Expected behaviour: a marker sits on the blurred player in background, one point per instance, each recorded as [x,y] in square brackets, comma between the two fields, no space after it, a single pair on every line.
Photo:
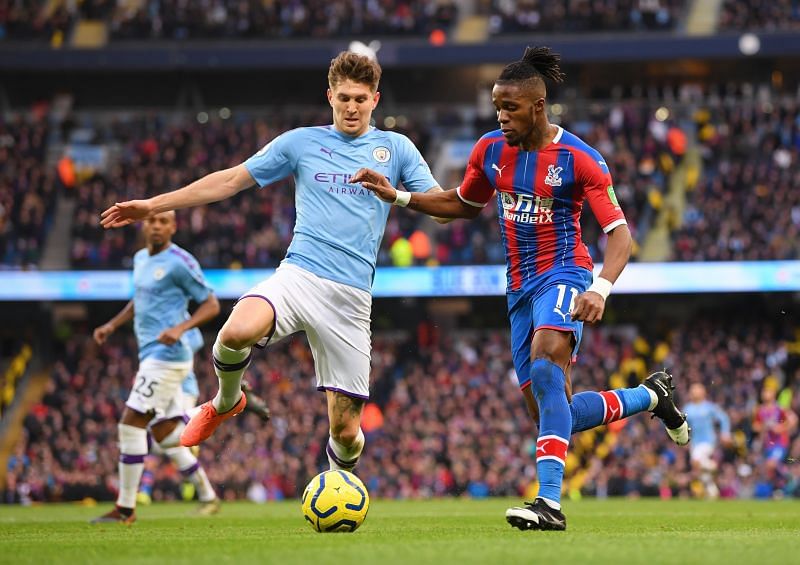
[190,391]
[704,417]
[165,278]
[542,174]
[772,426]
[323,286]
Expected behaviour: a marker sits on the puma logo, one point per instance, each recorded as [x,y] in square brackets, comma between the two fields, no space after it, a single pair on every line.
[328,152]
[499,169]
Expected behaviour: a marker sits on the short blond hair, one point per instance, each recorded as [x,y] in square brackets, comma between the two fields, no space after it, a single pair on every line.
[358,68]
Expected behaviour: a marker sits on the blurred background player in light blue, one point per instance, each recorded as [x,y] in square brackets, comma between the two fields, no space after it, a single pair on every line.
[704,418]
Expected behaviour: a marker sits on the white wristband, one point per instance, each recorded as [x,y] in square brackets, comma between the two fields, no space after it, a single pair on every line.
[601,286]
[402,199]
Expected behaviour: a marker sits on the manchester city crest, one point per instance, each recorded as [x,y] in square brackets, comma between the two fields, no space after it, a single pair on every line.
[381,154]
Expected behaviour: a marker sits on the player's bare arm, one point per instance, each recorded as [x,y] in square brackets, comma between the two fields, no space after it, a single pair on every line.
[590,305]
[101,333]
[441,204]
[211,188]
[206,312]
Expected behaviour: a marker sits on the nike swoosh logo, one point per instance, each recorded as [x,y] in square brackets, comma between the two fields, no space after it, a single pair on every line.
[659,385]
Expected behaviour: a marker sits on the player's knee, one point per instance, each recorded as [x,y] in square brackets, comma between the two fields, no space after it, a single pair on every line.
[237,336]
[546,375]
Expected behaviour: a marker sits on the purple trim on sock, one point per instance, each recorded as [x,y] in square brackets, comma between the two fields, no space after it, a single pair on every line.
[346,392]
[130,459]
[341,462]
[191,469]
[230,367]
[274,317]
[185,417]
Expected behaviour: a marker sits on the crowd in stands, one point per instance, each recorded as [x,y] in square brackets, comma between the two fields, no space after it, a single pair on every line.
[227,19]
[571,16]
[757,15]
[254,228]
[27,192]
[746,205]
[445,418]
[741,206]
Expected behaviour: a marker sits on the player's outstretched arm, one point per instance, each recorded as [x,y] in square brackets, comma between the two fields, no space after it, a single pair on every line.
[443,204]
[124,316]
[211,188]
[590,305]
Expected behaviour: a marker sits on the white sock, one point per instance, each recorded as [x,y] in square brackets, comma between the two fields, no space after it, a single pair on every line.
[191,469]
[551,503]
[132,449]
[343,458]
[229,365]
[653,397]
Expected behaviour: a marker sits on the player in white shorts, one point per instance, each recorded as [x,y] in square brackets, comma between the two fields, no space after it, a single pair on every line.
[165,278]
[323,286]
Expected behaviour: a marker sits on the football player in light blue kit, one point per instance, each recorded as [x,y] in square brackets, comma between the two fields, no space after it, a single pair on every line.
[323,285]
[704,417]
[165,279]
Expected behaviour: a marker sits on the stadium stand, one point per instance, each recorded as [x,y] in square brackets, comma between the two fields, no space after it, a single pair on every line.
[446,419]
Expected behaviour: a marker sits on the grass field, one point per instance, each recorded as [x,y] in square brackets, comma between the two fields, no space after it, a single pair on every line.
[438,531]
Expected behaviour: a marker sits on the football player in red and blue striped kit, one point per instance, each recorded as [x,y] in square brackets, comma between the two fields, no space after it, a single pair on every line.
[541,175]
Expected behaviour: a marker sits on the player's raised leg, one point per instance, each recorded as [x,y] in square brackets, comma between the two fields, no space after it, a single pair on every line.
[346,441]
[166,433]
[591,409]
[252,318]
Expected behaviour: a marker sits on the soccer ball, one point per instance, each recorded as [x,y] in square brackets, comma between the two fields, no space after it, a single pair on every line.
[335,501]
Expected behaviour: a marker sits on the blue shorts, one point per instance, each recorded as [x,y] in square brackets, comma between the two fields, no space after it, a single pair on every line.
[544,306]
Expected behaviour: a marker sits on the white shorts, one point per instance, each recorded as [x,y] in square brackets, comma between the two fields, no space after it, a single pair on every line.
[157,388]
[703,455]
[336,319]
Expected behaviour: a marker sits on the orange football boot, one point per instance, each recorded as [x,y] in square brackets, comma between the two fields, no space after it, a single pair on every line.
[203,424]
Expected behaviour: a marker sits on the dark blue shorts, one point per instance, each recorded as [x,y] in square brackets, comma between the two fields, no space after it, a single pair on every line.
[544,306]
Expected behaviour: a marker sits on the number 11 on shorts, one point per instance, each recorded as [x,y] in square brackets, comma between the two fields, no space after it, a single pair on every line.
[562,291]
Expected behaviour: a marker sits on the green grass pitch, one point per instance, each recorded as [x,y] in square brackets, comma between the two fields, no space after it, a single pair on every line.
[411,532]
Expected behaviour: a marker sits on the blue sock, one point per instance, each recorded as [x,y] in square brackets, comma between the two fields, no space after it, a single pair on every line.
[555,426]
[592,409]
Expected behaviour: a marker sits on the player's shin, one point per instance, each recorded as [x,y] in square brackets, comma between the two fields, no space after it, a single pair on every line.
[344,458]
[555,425]
[132,450]
[591,409]
[229,365]
[190,468]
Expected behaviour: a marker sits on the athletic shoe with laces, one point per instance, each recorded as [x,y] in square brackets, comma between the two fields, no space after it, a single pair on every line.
[115,516]
[536,515]
[674,420]
[255,404]
[203,424]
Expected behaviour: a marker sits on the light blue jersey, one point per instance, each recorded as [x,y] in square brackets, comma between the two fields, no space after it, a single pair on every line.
[164,283]
[702,417]
[339,225]
[189,386]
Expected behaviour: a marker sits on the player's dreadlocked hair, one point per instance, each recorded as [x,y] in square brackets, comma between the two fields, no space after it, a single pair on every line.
[358,68]
[538,62]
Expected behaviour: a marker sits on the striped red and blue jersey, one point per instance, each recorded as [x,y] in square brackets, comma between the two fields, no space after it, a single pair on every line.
[540,196]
